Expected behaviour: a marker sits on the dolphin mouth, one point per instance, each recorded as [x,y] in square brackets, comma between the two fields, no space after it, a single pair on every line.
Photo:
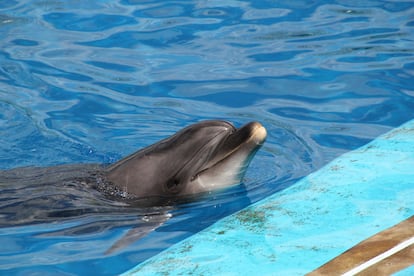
[250,136]
[252,133]
[257,131]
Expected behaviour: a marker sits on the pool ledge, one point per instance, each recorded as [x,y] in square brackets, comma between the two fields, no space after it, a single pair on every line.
[295,231]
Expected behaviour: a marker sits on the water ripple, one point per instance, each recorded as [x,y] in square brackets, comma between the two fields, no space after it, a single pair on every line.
[86,23]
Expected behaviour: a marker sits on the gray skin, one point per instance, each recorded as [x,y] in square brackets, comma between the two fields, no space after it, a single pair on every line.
[202,157]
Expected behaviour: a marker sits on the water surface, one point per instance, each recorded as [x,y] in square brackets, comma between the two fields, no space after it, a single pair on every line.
[89,82]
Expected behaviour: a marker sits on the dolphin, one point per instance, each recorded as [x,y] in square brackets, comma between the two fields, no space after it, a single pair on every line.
[203,157]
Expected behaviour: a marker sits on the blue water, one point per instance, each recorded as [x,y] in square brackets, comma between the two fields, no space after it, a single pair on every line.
[92,81]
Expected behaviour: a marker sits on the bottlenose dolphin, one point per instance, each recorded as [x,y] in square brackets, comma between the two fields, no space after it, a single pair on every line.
[202,157]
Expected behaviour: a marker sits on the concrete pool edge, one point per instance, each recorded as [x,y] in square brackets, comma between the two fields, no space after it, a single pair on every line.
[299,229]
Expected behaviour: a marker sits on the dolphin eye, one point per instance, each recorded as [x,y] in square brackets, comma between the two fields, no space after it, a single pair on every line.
[173,185]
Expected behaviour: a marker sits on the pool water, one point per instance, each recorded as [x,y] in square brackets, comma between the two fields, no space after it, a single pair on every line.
[92,81]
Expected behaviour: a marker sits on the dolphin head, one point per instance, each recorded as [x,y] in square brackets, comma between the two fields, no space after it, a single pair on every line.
[201,157]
